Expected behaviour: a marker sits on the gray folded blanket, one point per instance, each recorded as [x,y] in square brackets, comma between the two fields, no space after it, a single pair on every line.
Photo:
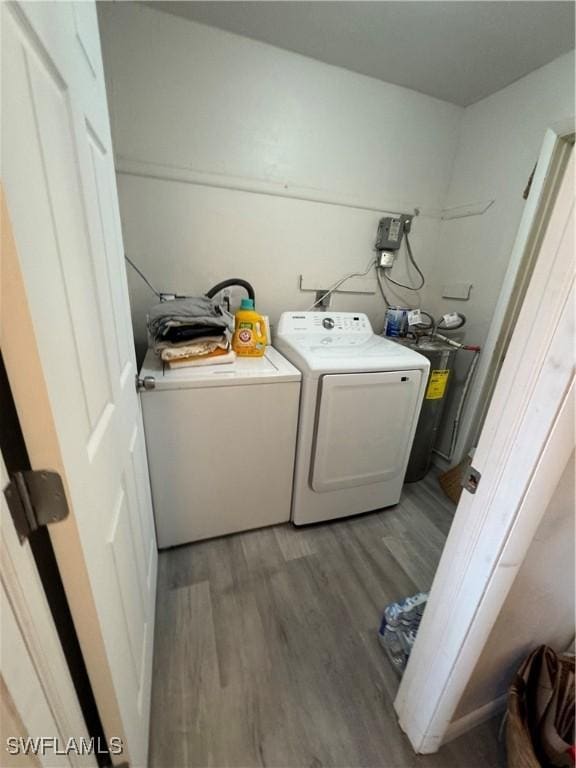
[197,312]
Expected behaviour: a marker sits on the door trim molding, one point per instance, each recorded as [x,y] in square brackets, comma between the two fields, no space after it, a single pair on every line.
[21,584]
[13,448]
[24,369]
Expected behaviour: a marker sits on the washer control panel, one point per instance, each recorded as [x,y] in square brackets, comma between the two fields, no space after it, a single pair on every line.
[343,323]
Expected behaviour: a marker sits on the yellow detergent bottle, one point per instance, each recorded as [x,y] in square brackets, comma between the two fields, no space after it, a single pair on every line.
[249,331]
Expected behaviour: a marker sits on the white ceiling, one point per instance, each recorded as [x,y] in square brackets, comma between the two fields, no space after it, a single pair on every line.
[456,51]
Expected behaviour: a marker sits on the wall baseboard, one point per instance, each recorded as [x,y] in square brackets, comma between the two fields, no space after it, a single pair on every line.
[477,717]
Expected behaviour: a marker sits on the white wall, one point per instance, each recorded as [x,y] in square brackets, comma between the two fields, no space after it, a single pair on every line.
[202,104]
[499,144]
[200,116]
[539,608]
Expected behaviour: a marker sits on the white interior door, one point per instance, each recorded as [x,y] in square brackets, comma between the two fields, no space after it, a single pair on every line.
[37,697]
[524,446]
[58,175]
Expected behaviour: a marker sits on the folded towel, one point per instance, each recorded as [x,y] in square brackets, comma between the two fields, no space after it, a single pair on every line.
[219,357]
[186,333]
[198,349]
[217,337]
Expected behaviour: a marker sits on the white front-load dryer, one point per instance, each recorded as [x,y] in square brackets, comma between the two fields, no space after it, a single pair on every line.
[360,401]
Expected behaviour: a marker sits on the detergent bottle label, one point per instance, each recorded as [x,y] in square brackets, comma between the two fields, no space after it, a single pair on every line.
[244,336]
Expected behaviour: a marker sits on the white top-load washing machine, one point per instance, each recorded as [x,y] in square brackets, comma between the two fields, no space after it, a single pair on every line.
[221,441]
[360,401]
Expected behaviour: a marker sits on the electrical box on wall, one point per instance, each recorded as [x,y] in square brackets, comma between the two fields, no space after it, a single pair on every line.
[391,230]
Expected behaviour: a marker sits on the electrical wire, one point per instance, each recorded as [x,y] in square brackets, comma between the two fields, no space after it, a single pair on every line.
[413,261]
[340,282]
[416,267]
[381,285]
[143,276]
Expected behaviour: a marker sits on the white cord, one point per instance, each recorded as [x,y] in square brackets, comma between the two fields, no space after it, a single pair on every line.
[381,285]
[342,280]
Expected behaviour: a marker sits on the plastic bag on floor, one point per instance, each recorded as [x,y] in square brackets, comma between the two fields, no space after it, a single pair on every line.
[400,622]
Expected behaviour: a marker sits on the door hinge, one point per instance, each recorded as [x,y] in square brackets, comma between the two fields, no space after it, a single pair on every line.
[148,382]
[471,480]
[35,498]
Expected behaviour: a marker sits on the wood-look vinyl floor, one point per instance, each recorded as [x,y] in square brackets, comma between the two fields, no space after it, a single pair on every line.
[266,650]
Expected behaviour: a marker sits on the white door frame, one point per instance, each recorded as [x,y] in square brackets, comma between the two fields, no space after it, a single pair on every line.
[36,690]
[543,185]
[31,398]
[524,446]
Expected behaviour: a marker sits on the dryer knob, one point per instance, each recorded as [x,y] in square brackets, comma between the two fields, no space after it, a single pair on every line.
[328,323]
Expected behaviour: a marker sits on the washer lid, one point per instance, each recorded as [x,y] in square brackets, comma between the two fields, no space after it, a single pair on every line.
[323,353]
[272,367]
